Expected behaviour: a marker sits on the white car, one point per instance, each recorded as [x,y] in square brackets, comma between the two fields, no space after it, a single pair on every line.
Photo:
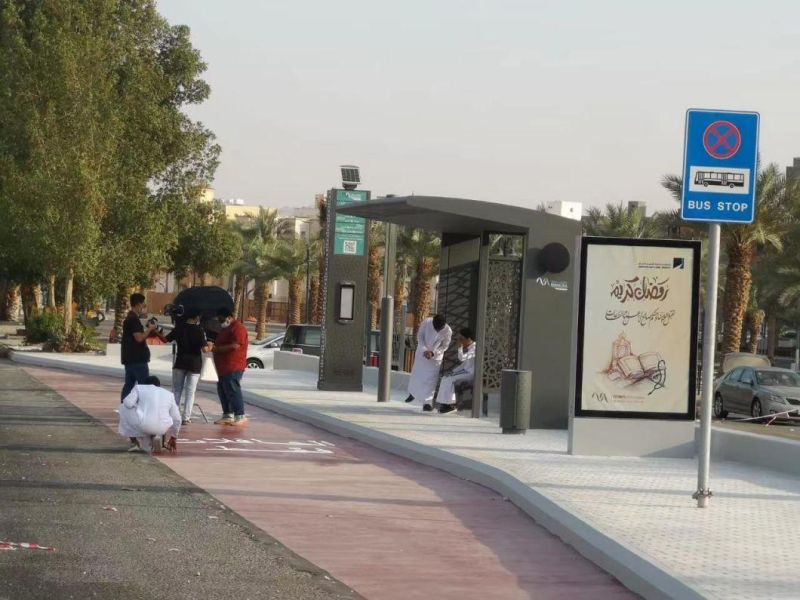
[260,354]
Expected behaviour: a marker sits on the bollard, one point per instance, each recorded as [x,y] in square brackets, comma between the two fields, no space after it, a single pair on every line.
[515,400]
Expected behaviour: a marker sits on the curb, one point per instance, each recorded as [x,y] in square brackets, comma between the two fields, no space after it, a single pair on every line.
[643,576]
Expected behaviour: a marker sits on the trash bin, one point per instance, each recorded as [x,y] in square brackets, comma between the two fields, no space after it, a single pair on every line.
[515,400]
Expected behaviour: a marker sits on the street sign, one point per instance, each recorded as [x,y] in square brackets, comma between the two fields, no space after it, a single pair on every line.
[719,166]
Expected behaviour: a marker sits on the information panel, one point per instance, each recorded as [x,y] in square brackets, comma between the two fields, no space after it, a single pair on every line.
[349,233]
[637,328]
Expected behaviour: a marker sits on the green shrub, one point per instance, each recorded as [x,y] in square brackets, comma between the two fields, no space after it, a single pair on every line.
[80,339]
[43,328]
[48,329]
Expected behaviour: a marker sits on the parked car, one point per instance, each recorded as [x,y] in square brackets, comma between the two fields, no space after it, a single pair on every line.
[260,354]
[305,339]
[757,391]
[787,342]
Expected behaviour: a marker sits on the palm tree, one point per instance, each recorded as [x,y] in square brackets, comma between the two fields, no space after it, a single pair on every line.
[318,303]
[618,220]
[376,242]
[774,210]
[247,230]
[259,263]
[422,251]
[290,259]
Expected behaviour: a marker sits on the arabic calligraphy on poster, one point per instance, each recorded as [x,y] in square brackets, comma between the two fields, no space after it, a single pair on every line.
[637,334]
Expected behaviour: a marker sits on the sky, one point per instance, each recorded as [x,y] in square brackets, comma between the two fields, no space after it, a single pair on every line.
[511,101]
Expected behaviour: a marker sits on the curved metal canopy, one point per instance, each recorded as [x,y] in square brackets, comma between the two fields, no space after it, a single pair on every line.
[449,215]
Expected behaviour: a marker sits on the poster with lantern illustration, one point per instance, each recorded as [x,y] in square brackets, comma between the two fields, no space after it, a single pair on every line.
[637,328]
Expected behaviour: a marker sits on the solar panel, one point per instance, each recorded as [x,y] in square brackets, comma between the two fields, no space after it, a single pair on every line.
[350,175]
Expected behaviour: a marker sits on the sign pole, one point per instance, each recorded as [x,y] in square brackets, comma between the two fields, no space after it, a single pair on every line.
[703,493]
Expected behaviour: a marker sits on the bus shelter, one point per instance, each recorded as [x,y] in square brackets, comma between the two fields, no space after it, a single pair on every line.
[507,273]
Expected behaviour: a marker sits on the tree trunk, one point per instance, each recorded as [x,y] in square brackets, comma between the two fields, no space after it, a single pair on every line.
[320,299]
[68,301]
[295,300]
[30,304]
[755,321]
[239,299]
[13,302]
[204,279]
[738,281]
[374,284]
[51,292]
[316,306]
[400,295]
[5,286]
[772,336]
[122,304]
[262,304]
[422,291]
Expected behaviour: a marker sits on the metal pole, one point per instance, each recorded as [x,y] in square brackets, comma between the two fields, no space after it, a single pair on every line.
[308,288]
[703,492]
[401,338]
[796,345]
[385,366]
[480,326]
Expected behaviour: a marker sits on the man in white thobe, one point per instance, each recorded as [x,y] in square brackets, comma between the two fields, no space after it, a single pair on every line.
[464,371]
[433,338]
[148,413]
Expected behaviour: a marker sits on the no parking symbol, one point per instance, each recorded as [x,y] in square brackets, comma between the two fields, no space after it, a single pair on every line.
[722,139]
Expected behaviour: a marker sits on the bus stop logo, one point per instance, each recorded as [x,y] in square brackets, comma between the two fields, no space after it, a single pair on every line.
[640,288]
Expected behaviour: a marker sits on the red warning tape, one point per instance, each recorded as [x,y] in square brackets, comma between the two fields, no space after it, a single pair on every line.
[25,546]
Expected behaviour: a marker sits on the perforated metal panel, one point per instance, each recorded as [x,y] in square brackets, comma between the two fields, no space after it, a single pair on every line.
[502,319]
[458,304]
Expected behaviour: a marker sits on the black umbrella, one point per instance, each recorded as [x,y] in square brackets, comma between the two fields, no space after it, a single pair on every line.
[203,301]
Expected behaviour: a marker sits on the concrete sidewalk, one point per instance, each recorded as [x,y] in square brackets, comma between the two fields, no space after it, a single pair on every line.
[632,516]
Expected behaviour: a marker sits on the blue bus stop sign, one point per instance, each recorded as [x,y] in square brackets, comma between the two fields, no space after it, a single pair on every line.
[719,166]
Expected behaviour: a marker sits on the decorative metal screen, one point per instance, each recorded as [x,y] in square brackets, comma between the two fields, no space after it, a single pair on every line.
[502,319]
[458,304]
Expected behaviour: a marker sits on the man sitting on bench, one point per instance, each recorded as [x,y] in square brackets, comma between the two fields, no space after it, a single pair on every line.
[464,371]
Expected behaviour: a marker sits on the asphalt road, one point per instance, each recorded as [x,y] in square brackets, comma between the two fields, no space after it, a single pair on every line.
[167,538]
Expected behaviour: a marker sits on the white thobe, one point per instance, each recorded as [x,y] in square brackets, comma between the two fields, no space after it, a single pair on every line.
[148,411]
[425,372]
[465,371]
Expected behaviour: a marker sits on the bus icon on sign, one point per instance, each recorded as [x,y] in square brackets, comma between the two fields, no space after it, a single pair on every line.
[707,178]
[716,180]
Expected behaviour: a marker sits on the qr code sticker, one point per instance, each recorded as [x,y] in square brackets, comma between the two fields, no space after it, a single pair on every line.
[350,247]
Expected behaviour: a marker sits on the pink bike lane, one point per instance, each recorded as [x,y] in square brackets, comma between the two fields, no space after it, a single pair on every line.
[387,527]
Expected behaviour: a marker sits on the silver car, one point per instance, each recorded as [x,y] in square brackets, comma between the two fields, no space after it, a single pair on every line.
[261,354]
[757,391]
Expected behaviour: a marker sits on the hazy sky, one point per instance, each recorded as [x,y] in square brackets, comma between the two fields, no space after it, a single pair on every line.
[517,101]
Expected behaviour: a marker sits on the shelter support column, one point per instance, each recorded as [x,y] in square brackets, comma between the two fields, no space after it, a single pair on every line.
[480,326]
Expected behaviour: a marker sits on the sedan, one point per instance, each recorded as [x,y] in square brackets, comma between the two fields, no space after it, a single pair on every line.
[757,391]
[260,354]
